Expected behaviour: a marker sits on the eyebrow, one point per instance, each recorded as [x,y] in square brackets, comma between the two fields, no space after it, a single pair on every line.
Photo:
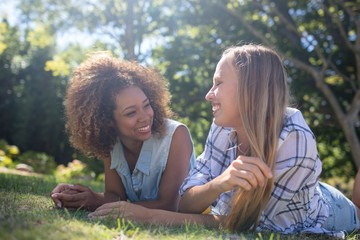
[133,106]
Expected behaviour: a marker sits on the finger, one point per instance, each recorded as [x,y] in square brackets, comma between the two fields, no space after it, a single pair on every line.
[260,164]
[80,188]
[241,178]
[242,184]
[118,207]
[57,201]
[250,172]
[104,212]
[73,197]
[70,191]
[250,178]
[60,187]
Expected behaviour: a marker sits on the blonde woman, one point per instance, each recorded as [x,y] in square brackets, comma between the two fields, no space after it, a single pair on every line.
[260,167]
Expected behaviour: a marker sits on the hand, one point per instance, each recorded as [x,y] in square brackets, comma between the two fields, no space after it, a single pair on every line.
[61,188]
[72,196]
[120,209]
[244,172]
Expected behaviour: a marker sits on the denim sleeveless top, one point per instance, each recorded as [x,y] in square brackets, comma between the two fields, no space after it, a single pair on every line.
[143,183]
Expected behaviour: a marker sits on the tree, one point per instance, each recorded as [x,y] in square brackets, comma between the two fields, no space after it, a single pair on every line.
[123,26]
[317,37]
[333,59]
[184,39]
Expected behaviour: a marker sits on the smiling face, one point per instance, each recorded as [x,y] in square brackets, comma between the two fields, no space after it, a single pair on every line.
[223,94]
[133,115]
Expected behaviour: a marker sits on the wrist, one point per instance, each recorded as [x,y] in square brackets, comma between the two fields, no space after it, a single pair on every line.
[215,188]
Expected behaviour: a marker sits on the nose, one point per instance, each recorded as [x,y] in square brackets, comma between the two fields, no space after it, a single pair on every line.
[210,95]
[143,116]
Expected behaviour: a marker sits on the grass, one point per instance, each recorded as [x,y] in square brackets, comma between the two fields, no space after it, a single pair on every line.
[27,212]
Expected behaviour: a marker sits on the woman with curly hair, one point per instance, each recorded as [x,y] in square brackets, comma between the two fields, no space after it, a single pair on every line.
[118,111]
[260,167]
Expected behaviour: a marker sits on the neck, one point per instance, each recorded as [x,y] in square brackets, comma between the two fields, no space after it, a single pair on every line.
[132,153]
[132,147]
[243,147]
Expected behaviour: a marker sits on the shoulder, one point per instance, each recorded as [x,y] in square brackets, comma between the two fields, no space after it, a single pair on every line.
[171,123]
[297,144]
[175,131]
[295,122]
[173,126]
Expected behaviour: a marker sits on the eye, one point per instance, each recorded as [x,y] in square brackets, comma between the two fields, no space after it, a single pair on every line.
[218,83]
[130,114]
[147,105]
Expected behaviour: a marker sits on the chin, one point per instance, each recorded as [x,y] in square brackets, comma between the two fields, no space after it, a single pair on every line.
[220,123]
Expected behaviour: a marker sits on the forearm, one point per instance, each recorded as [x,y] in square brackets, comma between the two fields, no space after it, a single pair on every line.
[198,198]
[100,198]
[168,218]
[166,204]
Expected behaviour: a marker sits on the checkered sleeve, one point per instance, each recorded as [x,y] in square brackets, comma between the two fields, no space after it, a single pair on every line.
[200,174]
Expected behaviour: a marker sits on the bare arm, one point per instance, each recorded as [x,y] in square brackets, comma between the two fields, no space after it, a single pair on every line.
[114,188]
[79,196]
[176,170]
[141,214]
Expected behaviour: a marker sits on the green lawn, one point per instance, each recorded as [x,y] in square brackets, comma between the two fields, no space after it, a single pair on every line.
[27,212]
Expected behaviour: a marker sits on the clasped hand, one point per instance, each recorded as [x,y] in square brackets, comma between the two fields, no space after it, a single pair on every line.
[72,196]
[244,172]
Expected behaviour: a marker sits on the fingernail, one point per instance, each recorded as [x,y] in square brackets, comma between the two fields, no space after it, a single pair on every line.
[54,195]
[58,204]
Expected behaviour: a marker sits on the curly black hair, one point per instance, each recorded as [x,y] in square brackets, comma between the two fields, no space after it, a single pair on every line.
[90,101]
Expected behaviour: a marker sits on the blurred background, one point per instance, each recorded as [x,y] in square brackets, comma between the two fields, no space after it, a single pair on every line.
[41,41]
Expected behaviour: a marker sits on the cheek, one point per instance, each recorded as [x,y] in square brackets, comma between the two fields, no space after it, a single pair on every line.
[150,112]
[123,125]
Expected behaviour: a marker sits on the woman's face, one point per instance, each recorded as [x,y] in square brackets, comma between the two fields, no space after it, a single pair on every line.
[223,94]
[133,115]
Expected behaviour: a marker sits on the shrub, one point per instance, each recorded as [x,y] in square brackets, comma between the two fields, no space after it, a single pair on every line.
[39,161]
[74,170]
[7,153]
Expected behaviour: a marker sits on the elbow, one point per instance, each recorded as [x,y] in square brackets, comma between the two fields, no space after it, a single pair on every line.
[168,204]
[184,206]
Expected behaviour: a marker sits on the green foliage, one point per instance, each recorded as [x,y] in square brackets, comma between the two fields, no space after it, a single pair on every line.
[39,161]
[74,170]
[7,153]
[184,40]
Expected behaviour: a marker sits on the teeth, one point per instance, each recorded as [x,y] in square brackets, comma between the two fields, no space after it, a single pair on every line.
[144,129]
[215,107]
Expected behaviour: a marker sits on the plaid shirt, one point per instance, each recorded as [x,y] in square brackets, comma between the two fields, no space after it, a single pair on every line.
[296,203]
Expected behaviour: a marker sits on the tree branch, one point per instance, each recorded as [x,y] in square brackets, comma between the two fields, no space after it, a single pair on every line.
[338,24]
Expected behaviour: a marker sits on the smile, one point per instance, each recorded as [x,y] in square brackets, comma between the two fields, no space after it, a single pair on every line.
[215,107]
[144,129]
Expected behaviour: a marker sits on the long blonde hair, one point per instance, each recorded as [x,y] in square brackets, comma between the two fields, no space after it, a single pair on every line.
[262,100]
